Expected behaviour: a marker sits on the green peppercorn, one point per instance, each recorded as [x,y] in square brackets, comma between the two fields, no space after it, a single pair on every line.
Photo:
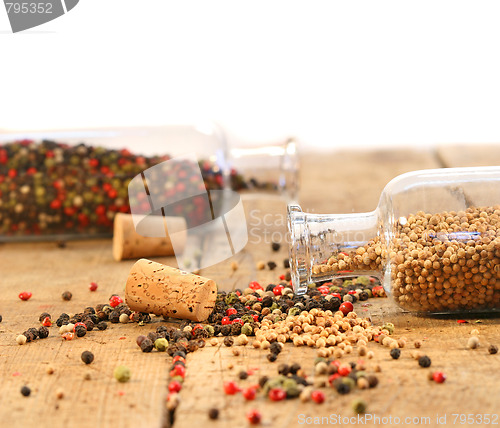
[87,357]
[122,374]
[247,329]
[210,330]
[359,405]
[161,344]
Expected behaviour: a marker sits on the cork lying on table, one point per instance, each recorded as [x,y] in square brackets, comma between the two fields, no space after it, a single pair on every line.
[163,290]
[128,244]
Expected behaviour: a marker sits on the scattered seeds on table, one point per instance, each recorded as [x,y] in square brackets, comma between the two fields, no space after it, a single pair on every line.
[492,349]
[87,357]
[424,361]
[275,246]
[359,405]
[67,295]
[417,344]
[59,393]
[243,374]
[213,413]
[271,265]
[395,353]
[26,391]
[122,374]
[473,342]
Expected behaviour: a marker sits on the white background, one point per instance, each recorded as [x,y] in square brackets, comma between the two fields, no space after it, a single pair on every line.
[354,73]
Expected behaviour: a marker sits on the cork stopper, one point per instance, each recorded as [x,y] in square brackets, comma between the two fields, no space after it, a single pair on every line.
[163,290]
[128,244]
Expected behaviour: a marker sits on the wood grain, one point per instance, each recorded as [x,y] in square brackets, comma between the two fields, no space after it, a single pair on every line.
[340,182]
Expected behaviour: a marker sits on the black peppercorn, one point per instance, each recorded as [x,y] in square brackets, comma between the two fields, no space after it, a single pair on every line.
[262,381]
[271,265]
[395,353]
[44,315]
[146,345]
[275,348]
[103,325]
[152,336]
[372,381]
[492,349]
[26,391]
[192,346]
[275,246]
[1,318]
[236,329]
[424,361]
[114,317]
[283,369]
[179,353]
[67,295]
[286,263]
[43,332]
[80,331]
[200,343]
[342,388]
[213,413]
[89,324]
[272,357]
[87,357]
[228,341]
[89,310]
[243,375]
[33,331]
[288,276]
[294,368]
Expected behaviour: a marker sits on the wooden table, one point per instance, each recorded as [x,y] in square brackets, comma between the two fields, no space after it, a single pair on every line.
[341,181]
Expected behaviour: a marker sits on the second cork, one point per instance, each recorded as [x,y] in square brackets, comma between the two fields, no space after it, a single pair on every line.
[163,290]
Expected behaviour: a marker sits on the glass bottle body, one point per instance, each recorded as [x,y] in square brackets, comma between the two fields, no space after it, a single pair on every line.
[433,240]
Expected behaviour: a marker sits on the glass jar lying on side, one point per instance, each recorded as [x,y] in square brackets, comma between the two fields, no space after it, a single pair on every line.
[433,240]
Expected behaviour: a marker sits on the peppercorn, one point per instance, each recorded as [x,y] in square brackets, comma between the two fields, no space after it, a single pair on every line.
[318,396]
[271,265]
[103,325]
[1,318]
[283,369]
[272,357]
[87,357]
[286,263]
[438,377]
[372,381]
[114,317]
[80,330]
[124,318]
[228,341]
[25,391]
[424,361]
[213,413]
[473,342]
[260,265]
[275,246]
[44,315]
[395,353]
[122,374]
[243,374]
[492,349]
[43,332]
[342,388]
[236,329]
[359,405]
[67,295]
[21,339]
[275,348]
[146,345]
[161,344]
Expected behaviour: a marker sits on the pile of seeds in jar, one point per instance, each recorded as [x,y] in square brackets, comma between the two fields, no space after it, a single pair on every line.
[49,188]
[445,262]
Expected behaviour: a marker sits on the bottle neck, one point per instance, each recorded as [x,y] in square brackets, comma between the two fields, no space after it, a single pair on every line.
[326,246]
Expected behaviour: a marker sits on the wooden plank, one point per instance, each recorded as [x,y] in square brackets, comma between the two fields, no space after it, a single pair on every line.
[340,182]
[457,155]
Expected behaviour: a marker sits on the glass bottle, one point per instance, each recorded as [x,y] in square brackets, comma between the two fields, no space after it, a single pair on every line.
[433,240]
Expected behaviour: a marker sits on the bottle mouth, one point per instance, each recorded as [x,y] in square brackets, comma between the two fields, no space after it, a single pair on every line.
[300,259]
